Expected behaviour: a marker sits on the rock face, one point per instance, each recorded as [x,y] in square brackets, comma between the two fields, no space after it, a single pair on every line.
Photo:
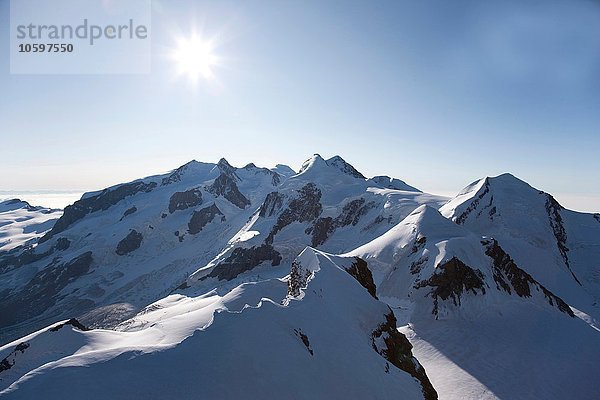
[460,219]
[225,186]
[305,207]
[508,275]
[242,260]
[102,201]
[42,290]
[272,204]
[201,218]
[131,242]
[350,215]
[556,223]
[361,272]
[396,348]
[128,212]
[185,200]
[452,279]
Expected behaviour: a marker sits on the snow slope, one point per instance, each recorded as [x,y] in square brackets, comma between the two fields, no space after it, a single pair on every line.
[559,247]
[119,249]
[22,223]
[481,326]
[257,341]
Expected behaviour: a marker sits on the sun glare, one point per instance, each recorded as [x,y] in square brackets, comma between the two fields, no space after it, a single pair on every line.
[194,58]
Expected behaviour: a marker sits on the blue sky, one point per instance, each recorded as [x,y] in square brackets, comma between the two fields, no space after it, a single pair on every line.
[436,93]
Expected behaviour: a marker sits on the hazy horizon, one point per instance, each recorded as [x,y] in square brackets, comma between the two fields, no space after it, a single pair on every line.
[61,198]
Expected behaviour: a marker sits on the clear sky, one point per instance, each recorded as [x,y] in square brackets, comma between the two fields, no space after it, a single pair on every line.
[436,93]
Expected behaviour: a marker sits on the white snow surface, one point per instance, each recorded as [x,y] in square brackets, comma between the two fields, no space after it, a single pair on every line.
[163,322]
[245,344]
[21,223]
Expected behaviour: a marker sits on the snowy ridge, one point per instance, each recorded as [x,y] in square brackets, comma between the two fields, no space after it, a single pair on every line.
[273,276]
[280,332]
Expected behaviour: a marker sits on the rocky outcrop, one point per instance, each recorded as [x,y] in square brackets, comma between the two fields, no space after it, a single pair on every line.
[474,204]
[242,260]
[451,280]
[298,279]
[225,186]
[73,322]
[395,347]
[42,291]
[99,202]
[303,208]
[272,204]
[131,242]
[9,361]
[203,217]
[304,340]
[351,213]
[128,212]
[185,200]
[62,244]
[177,174]
[509,277]
[553,209]
[343,166]
[360,271]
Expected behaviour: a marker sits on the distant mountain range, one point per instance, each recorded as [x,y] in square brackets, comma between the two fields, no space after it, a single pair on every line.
[214,281]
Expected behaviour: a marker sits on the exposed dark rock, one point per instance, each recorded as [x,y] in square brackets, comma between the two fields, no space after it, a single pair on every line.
[351,213]
[129,211]
[62,244]
[340,163]
[508,275]
[20,256]
[463,217]
[597,217]
[225,186]
[6,364]
[304,340]
[99,202]
[305,207]
[397,350]
[361,272]
[298,279]
[417,266]
[42,291]
[131,242]
[242,260]
[377,221]
[320,230]
[272,204]
[227,168]
[176,175]
[185,200]
[451,280]
[163,215]
[419,244]
[556,223]
[74,323]
[203,217]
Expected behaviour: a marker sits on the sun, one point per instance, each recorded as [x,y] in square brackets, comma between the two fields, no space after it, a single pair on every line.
[194,58]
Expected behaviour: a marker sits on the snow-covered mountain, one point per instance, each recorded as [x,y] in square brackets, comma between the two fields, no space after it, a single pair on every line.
[274,276]
[559,247]
[479,323]
[21,223]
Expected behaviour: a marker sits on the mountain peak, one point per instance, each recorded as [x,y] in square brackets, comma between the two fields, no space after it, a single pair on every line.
[317,163]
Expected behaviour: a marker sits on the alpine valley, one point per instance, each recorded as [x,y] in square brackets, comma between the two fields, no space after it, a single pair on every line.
[219,282]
